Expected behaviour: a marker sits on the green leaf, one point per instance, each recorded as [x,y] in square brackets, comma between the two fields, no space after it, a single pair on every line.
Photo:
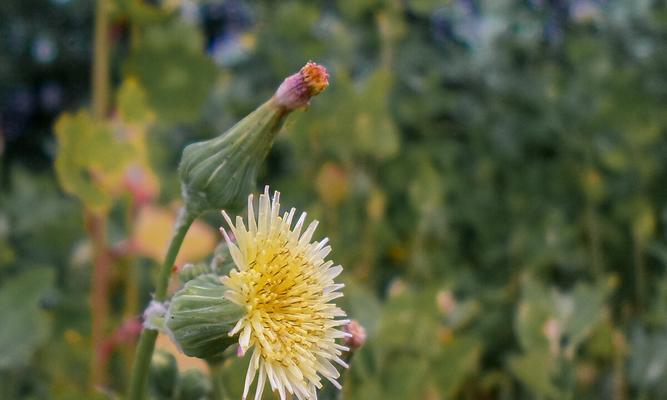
[24,325]
[456,361]
[399,360]
[550,326]
[536,369]
[581,311]
[574,314]
[361,304]
[132,102]
[87,152]
[647,368]
[534,310]
[170,64]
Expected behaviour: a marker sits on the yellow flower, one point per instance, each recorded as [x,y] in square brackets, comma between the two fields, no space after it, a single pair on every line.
[286,288]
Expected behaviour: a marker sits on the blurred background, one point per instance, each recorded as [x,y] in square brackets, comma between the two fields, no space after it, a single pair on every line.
[491,174]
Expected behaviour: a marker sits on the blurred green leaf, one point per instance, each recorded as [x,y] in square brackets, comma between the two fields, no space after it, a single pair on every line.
[648,362]
[24,325]
[361,304]
[536,370]
[549,319]
[132,103]
[456,361]
[87,153]
[170,64]
[533,311]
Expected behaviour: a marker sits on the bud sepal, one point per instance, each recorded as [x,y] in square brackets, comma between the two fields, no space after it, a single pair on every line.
[199,318]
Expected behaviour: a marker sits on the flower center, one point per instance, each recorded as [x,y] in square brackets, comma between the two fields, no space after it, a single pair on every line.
[283,302]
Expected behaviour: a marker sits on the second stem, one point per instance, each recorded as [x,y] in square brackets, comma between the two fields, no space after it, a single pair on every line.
[146,344]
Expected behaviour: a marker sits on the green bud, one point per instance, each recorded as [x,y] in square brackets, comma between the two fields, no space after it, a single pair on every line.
[163,375]
[222,262]
[194,385]
[219,173]
[199,318]
[189,272]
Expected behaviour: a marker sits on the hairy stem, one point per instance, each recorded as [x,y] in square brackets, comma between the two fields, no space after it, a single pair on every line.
[146,344]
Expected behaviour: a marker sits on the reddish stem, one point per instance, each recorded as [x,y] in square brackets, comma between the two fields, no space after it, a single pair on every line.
[96,226]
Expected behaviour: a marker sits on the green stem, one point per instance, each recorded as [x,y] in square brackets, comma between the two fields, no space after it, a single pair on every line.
[215,369]
[96,223]
[101,60]
[131,283]
[146,344]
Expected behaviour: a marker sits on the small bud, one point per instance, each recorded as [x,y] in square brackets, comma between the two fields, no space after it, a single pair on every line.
[219,173]
[163,374]
[296,90]
[199,318]
[194,385]
[222,262]
[190,271]
[357,336]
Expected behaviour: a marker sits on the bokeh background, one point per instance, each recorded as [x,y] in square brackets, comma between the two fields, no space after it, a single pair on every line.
[491,173]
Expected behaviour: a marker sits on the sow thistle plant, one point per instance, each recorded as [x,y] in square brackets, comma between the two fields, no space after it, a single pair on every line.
[276,303]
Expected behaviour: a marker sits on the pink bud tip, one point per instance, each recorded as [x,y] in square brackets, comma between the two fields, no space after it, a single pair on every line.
[296,90]
[358,335]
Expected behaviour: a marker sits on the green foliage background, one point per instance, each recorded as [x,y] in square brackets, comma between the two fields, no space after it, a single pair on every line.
[491,175]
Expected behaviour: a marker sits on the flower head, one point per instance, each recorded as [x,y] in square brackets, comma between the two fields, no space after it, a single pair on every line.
[296,90]
[286,289]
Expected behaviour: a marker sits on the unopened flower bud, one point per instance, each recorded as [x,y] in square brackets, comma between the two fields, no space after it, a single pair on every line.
[199,318]
[189,271]
[163,374]
[357,336]
[222,262]
[296,90]
[194,385]
[219,173]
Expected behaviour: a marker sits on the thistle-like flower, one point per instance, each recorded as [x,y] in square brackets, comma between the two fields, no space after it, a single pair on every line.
[286,289]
